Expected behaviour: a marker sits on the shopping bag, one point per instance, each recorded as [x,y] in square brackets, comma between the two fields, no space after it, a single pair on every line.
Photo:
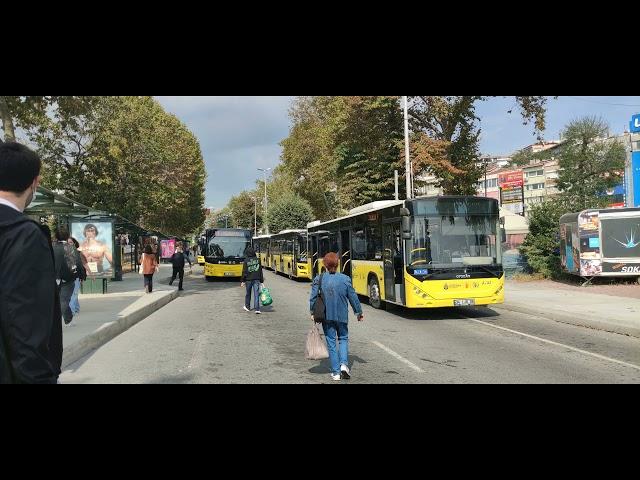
[316,348]
[265,297]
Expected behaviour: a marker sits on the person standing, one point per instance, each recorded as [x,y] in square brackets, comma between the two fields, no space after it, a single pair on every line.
[178,260]
[252,278]
[30,323]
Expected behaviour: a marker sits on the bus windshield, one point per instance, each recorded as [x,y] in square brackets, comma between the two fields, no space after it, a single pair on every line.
[457,240]
[228,247]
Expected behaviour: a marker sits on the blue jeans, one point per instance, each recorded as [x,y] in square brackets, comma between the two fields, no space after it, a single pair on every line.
[255,286]
[337,331]
[75,303]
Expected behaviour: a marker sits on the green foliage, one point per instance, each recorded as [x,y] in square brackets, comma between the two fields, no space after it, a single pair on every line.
[542,245]
[589,165]
[127,156]
[289,212]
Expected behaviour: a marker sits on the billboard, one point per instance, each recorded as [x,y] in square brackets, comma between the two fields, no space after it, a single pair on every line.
[167,248]
[635,124]
[96,246]
[512,191]
[635,177]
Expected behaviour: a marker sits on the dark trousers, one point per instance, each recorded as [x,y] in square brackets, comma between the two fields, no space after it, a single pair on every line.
[66,292]
[148,282]
[177,272]
[252,286]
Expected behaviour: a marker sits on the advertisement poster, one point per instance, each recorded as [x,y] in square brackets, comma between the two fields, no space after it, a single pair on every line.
[96,246]
[167,248]
[590,268]
[589,225]
[511,191]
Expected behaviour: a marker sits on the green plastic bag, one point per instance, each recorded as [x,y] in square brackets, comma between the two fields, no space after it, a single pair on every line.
[265,297]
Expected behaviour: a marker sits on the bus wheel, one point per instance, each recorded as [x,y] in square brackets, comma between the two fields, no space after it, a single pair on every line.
[210,279]
[375,299]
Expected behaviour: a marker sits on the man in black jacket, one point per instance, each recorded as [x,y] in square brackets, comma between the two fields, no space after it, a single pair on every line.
[30,324]
[253,279]
[178,260]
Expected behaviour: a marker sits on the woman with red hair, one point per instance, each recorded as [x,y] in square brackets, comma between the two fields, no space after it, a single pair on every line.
[337,292]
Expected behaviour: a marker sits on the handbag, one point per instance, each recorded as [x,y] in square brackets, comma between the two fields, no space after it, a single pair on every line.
[316,347]
[319,309]
[141,267]
[265,297]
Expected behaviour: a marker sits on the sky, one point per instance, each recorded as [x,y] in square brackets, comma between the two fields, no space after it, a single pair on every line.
[240,134]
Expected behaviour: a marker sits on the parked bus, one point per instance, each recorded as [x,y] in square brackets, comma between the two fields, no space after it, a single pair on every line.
[261,245]
[225,252]
[420,253]
[288,254]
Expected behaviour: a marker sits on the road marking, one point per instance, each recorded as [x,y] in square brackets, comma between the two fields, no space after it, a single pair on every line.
[399,357]
[197,350]
[601,357]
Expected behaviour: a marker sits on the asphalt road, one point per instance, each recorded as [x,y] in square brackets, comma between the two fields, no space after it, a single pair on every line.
[206,337]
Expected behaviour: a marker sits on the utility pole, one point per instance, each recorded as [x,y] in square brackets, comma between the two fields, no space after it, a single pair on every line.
[266,200]
[406,148]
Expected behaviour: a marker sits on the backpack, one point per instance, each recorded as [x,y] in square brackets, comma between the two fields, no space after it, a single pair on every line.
[68,268]
[320,310]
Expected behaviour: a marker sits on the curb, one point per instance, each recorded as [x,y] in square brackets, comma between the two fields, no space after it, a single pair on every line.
[584,321]
[107,332]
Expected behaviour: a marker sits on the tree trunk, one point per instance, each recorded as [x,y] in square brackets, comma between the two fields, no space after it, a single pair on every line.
[7,122]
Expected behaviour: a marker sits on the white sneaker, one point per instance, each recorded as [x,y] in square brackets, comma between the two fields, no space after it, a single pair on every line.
[335,377]
[345,373]
[258,312]
[246,309]
[70,324]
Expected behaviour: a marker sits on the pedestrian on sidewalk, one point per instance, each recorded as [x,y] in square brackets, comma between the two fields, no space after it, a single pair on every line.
[30,324]
[177,260]
[252,279]
[337,293]
[81,277]
[67,271]
[149,267]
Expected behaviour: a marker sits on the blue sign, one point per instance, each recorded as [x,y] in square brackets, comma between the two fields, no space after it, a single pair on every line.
[635,124]
[635,175]
[594,243]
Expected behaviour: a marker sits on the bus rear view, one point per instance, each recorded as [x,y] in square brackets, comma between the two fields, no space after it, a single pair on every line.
[225,252]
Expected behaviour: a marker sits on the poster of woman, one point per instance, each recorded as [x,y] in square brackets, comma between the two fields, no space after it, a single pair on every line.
[168,248]
[96,246]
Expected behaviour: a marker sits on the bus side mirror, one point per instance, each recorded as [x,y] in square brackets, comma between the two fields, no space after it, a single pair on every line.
[503,235]
[406,224]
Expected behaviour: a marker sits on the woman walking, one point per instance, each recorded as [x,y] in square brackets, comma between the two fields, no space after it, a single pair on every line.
[149,268]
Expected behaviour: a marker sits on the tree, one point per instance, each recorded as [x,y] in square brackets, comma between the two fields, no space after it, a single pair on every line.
[590,164]
[27,112]
[290,212]
[126,156]
[242,208]
[446,133]
[541,247]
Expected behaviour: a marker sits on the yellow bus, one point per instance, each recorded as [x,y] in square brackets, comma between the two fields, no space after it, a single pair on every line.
[202,248]
[225,252]
[422,253]
[288,254]
[261,245]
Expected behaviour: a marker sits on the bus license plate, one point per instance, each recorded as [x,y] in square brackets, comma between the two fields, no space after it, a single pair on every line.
[228,274]
[464,303]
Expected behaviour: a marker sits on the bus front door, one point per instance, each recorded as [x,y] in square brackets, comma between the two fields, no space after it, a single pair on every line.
[392,262]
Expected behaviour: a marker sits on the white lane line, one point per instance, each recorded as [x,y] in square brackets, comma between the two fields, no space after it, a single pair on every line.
[601,357]
[197,350]
[398,356]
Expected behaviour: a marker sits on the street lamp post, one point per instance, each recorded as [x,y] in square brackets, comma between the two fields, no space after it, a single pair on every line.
[266,200]
[406,148]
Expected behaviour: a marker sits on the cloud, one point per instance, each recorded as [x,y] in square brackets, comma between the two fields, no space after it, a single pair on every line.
[237,135]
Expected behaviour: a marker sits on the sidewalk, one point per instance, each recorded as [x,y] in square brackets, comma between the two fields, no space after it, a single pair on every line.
[575,305]
[103,317]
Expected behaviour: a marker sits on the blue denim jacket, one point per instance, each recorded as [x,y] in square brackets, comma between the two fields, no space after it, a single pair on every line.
[337,290]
